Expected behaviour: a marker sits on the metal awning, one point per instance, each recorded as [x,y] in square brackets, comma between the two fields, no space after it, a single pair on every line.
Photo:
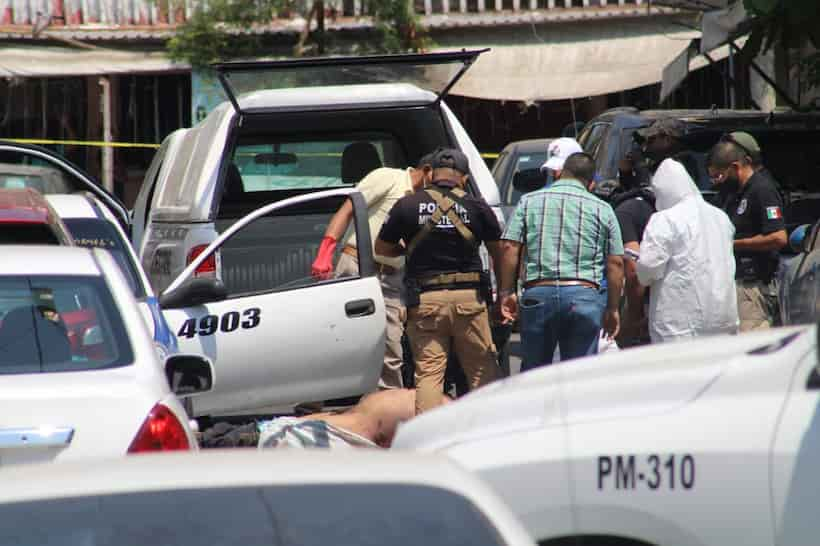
[574,62]
[34,61]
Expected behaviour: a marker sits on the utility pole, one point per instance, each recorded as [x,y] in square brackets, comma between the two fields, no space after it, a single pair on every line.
[107,151]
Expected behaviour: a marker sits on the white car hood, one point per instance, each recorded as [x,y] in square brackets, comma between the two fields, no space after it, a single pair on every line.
[622,384]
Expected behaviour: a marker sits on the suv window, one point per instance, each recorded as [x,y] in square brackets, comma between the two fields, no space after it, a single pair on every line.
[96,233]
[292,515]
[311,163]
[56,324]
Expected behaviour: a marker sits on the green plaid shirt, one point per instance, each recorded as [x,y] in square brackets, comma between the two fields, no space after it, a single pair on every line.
[568,233]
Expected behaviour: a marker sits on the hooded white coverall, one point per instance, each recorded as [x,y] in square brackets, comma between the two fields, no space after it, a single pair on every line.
[687,260]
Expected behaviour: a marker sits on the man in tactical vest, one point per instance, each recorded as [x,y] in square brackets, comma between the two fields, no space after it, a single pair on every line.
[448,293]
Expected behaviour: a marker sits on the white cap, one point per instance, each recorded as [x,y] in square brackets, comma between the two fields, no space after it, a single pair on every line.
[558,151]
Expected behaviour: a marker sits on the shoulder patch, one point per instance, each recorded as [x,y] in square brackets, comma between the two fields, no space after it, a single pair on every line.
[773,213]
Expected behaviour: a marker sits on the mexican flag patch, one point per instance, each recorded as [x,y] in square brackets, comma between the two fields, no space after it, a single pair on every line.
[773,213]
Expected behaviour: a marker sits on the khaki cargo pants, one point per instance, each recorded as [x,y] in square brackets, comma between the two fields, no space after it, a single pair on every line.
[757,305]
[443,316]
[392,286]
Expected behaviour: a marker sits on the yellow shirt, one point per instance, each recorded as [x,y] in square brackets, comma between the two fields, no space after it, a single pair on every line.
[381,188]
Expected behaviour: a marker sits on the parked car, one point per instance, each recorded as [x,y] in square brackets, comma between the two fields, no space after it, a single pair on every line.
[27,166]
[81,378]
[697,444]
[790,143]
[92,225]
[518,156]
[255,499]
[799,281]
[26,218]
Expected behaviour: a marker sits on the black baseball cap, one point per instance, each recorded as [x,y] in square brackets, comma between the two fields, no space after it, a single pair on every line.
[450,158]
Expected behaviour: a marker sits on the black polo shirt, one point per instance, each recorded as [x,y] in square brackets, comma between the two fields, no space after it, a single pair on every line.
[633,210]
[756,209]
[444,250]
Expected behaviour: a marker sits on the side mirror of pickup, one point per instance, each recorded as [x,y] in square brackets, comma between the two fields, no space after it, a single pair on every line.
[194,291]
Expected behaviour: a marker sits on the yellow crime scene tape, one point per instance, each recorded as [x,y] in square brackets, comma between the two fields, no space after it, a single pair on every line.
[102,143]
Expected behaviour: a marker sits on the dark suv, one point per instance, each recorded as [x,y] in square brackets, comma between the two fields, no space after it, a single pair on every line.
[790,142]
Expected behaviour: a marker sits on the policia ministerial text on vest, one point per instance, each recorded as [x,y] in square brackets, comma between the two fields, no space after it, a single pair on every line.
[445,207]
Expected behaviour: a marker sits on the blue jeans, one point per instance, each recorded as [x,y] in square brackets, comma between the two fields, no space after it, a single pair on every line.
[567,316]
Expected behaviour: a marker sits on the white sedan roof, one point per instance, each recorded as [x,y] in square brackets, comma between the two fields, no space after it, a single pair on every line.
[48,260]
[72,206]
[232,468]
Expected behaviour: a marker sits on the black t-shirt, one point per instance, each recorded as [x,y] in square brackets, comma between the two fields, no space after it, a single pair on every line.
[757,209]
[633,212]
[444,250]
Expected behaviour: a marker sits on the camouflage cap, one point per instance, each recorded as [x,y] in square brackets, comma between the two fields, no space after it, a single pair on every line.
[672,127]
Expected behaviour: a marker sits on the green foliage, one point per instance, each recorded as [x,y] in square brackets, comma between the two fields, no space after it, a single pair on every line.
[231,29]
[208,37]
[790,24]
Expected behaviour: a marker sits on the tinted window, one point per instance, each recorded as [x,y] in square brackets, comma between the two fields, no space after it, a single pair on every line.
[511,196]
[306,515]
[592,139]
[310,163]
[24,170]
[97,233]
[53,324]
[27,234]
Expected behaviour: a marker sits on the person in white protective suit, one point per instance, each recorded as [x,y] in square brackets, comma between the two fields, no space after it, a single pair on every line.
[687,260]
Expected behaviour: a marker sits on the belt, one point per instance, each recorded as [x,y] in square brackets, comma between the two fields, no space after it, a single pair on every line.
[450,279]
[558,282]
[385,269]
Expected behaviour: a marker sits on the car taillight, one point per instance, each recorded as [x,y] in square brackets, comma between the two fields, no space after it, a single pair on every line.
[161,431]
[208,266]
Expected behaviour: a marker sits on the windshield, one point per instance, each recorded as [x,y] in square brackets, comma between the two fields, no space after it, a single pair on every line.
[96,233]
[59,324]
[434,72]
[336,161]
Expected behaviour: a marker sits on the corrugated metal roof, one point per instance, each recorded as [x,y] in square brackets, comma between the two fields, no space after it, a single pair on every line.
[106,20]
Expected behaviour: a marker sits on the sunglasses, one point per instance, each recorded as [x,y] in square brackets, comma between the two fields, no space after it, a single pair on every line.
[727,137]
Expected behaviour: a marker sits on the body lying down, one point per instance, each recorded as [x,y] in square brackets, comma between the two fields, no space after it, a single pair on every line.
[371,423]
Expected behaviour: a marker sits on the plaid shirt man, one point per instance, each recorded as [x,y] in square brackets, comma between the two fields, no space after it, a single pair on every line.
[568,233]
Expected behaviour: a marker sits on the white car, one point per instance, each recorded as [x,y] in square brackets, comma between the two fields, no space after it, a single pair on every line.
[702,443]
[80,376]
[91,224]
[254,498]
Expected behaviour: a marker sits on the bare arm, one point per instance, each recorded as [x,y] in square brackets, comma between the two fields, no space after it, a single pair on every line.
[391,250]
[763,243]
[339,222]
[506,264]
[614,280]
[633,290]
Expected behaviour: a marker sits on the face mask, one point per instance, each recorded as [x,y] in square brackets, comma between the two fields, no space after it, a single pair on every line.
[550,177]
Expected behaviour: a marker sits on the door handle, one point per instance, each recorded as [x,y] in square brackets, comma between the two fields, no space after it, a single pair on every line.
[36,437]
[360,308]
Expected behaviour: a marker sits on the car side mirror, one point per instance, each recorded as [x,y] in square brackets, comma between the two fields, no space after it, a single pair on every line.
[194,291]
[189,374]
[528,180]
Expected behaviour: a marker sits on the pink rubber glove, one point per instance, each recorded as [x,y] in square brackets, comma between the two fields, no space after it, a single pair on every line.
[323,264]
